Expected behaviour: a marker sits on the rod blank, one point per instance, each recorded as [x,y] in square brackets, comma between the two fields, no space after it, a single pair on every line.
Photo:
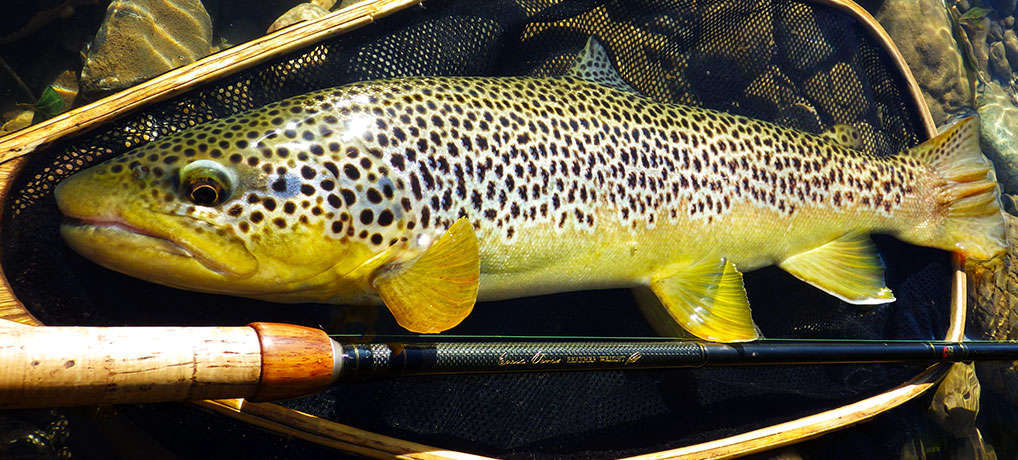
[371,360]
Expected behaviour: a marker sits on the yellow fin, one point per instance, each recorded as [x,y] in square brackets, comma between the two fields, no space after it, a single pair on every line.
[966,194]
[844,135]
[708,300]
[594,65]
[657,316]
[440,288]
[847,268]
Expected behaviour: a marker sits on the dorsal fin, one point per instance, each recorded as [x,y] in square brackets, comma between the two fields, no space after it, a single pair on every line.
[594,65]
[847,136]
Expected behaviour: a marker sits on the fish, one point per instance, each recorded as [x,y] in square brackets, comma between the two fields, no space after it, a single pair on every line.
[428,194]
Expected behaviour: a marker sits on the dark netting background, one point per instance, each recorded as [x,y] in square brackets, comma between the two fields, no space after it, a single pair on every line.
[792,62]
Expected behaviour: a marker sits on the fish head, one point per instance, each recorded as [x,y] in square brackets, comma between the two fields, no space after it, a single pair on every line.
[252,214]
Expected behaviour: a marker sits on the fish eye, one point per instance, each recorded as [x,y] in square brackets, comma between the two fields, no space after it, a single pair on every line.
[206,183]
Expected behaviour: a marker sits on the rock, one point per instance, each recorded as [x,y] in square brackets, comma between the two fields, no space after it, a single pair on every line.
[955,404]
[972,447]
[999,65]
[922,31]
[993,311]
[998,118]
[301,12]
[1011,47]
[769,91]
[35,434]
[734,51]
[996,33]
[15,120]
[837,93]
[143,38]
[978,32]
[800,38]
[66,86]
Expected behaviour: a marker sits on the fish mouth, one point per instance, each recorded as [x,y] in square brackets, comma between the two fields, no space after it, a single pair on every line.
[127,237]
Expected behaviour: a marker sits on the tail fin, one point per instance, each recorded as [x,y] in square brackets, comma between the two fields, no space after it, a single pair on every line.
[967,195]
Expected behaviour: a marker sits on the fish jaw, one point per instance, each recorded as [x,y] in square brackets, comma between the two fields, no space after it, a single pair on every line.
[151,258]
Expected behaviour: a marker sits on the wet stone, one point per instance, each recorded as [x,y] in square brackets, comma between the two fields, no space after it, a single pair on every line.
[734,49]
[299,13]
[1011,47]
[998,118]
[978,34]
[998,62]
[140,39]
[799,37]
[922,31]
[836,91]
[15,120]
[66,86]
[993,311]
[996,32]
[955,404]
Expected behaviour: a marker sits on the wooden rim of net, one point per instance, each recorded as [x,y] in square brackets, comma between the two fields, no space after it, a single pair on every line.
[290,422]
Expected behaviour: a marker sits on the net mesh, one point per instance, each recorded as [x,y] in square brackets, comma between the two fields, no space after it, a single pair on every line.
[795,63]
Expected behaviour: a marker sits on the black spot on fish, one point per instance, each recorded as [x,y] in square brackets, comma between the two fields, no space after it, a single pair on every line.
[332,169]
[385,218]
[374,196]
[348,196]
[307,172]
[351,171]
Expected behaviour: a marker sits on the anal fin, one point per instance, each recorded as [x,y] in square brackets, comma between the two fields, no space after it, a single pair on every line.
[439,289]
[709,300]
[847,268]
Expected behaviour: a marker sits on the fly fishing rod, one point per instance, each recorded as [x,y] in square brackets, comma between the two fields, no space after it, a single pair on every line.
[64,366]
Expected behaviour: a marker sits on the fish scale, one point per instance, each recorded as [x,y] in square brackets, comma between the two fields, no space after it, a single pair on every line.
[573,182]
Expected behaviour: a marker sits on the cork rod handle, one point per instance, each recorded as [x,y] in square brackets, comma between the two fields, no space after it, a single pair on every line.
[68,366]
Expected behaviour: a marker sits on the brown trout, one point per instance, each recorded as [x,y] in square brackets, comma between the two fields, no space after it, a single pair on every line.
[427,194]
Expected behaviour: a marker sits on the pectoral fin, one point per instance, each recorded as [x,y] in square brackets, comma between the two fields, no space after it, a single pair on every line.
[708,300]
[439,289]
[847,268]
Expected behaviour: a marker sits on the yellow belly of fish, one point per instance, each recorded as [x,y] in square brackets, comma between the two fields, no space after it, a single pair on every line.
[546,259]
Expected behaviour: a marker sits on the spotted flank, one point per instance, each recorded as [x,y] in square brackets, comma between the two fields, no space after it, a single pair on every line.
[427,194]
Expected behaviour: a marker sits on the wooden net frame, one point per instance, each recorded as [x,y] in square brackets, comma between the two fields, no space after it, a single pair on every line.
[290,422]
